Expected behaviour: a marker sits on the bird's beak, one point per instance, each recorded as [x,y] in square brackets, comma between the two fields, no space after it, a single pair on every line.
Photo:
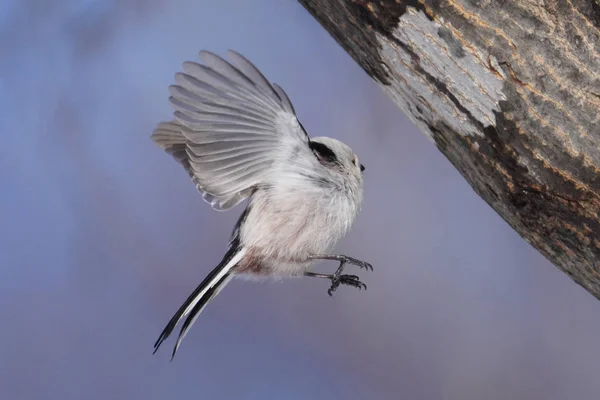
[362,168]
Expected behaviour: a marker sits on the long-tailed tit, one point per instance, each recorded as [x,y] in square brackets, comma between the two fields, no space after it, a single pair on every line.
[238,138]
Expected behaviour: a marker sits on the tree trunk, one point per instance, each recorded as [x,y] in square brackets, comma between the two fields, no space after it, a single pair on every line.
[509,91]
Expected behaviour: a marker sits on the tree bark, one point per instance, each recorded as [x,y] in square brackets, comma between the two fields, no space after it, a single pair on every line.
[509,92]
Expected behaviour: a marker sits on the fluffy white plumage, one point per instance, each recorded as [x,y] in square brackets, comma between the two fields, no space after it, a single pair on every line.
[238,137]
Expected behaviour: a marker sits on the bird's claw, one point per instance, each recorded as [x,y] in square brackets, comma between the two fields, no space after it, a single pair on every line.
[354,261]
[348,280]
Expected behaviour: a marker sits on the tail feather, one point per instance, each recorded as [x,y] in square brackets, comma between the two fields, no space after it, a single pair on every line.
[198,308]
[201,296]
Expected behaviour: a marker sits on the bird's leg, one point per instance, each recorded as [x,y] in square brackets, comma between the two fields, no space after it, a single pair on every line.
[337,279]
[343,260]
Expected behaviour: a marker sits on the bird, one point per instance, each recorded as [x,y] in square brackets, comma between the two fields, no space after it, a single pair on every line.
[239,139]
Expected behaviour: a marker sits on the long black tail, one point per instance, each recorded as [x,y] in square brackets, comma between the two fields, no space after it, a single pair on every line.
[206,291]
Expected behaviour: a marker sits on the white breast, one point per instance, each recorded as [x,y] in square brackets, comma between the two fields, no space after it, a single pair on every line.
[285,226]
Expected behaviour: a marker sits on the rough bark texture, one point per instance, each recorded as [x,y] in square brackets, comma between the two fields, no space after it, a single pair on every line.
[509,91]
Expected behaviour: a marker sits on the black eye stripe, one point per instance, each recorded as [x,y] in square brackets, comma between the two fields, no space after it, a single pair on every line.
[322,152]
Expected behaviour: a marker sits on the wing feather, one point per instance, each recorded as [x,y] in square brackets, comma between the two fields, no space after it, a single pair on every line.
[230,125]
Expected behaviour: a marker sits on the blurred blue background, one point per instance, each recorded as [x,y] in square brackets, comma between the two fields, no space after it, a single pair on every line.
[103,235]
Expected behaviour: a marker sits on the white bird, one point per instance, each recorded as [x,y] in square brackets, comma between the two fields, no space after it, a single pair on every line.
[238,138]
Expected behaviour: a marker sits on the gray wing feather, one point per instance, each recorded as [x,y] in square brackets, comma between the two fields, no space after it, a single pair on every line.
[229,126]
[284,98]
[248,69]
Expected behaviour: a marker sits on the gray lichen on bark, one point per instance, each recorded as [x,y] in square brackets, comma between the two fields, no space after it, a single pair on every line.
[473,91]
[509,91]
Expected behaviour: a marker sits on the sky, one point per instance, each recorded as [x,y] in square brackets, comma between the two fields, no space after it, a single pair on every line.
[103,235]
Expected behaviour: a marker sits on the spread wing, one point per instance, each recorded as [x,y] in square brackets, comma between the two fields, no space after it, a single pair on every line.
[230,125]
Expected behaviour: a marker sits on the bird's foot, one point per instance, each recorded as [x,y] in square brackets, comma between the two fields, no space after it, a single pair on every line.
[354,261]
[348,280]
[344,260]
[337,278]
